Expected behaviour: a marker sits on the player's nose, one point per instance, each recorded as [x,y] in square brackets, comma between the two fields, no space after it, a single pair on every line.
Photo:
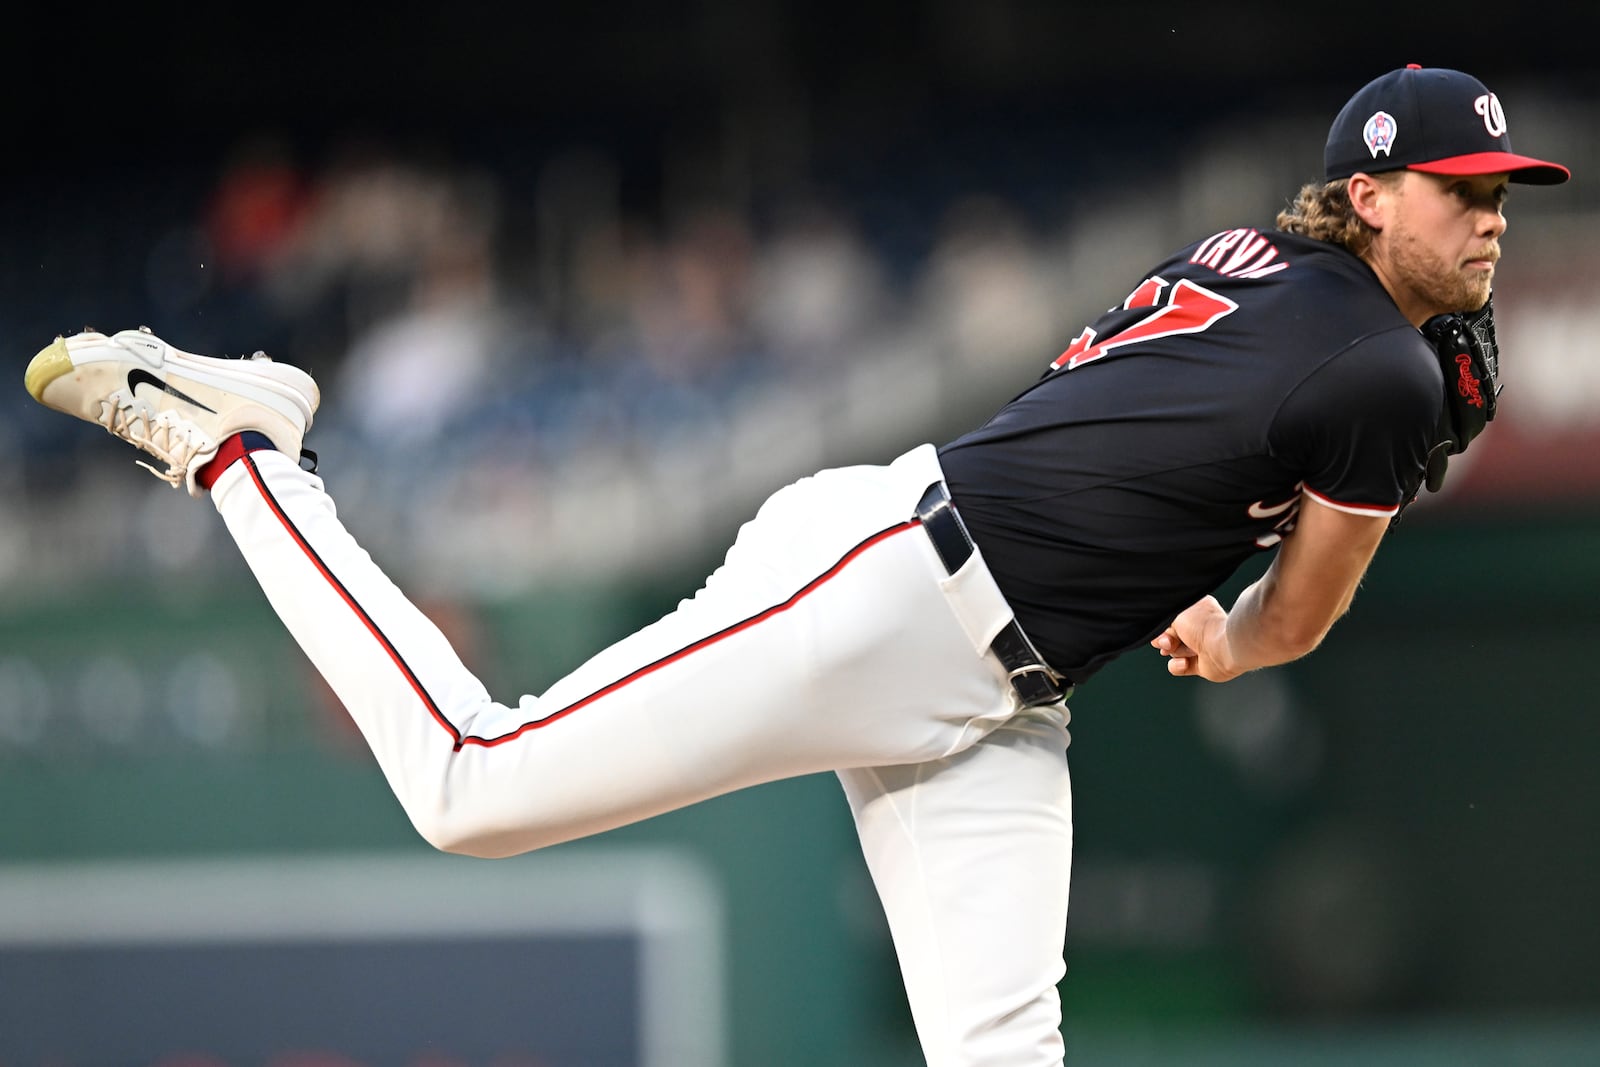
[1493,223]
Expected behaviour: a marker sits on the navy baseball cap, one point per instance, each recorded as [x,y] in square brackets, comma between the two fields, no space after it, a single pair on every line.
[1429,119]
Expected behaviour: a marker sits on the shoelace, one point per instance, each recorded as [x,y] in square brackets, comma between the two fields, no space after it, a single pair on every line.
[133,426]
[170,438]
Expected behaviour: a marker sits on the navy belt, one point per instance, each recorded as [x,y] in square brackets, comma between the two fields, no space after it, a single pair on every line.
[1036,683]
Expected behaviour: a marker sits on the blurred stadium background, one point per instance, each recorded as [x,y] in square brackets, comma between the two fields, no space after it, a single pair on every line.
[583,287]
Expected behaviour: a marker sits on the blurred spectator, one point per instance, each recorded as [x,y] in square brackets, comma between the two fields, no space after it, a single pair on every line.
[408,375]
[817,287]
[984,288]
[578,242]
[258,207]
[689,295]
[373,226]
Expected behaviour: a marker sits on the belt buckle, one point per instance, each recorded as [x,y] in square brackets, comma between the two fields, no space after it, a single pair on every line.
[1037,684]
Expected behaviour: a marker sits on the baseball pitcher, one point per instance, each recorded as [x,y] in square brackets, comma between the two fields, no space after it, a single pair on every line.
[917,627]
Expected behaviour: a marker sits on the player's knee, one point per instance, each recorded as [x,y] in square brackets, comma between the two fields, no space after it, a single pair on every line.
[478,848]
[449,832]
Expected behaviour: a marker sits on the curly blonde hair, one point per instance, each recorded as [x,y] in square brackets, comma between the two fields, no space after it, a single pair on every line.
[1322,211]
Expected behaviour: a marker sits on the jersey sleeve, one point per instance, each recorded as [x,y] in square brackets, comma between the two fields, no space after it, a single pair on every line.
[1359,427]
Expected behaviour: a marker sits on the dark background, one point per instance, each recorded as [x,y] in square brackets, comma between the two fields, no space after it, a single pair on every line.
[83,78]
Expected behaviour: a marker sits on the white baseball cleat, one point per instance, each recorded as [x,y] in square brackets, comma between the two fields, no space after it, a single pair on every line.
[177,406]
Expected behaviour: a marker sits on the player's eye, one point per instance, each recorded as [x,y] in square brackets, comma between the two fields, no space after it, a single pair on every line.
[1465,191]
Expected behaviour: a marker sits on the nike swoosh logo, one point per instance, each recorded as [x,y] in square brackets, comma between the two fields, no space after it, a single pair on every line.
[139,376]
[1259,510]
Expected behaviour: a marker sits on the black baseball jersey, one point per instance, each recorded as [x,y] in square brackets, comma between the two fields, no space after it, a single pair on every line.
[1172,439]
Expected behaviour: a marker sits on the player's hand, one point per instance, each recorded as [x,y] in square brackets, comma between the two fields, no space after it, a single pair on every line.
[1196,642]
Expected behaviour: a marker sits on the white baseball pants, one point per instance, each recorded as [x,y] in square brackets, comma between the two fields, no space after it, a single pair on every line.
[830,639]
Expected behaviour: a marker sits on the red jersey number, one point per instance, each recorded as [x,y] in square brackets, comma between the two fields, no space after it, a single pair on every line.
[1188,308]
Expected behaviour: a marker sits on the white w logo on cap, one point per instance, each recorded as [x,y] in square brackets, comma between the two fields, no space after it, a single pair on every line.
[1494,117]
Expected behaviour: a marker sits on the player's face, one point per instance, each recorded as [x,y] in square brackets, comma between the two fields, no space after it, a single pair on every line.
[1442,241]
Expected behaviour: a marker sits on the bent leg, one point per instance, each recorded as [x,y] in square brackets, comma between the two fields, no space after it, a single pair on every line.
[972,857]
[796,657]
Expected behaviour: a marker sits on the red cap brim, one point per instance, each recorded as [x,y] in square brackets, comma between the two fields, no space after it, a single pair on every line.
[1521,168]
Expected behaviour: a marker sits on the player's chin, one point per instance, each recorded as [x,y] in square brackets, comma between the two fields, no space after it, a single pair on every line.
[1473,292]
[1479,282]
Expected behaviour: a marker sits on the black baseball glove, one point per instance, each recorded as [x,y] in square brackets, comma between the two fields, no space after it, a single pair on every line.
[1470,359]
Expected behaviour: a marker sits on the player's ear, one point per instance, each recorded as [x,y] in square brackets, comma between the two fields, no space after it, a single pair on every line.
[1370,198]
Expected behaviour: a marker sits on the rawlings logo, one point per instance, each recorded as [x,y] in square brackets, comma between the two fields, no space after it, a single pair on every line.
[1379,133]
[1468,385]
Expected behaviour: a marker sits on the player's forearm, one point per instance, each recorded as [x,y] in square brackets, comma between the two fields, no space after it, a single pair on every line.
[1264,631]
